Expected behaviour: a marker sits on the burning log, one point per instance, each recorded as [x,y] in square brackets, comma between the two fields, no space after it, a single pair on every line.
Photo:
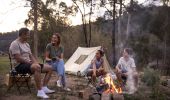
[110,88]
[111,85]
[109,96]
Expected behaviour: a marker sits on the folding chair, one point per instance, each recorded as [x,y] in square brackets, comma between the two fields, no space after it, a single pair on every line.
[20,80]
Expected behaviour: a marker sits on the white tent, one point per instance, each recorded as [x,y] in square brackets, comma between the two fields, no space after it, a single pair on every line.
[81,59]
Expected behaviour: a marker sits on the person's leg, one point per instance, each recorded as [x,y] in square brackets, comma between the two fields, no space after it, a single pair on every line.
[48,70]
[100,72]
[118,74]
[61,71]
[36,69]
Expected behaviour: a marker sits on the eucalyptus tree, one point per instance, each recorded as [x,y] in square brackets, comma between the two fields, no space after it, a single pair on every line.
[113,12]
[85,8]
[52,16]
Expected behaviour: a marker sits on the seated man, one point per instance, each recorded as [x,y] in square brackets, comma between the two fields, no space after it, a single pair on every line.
[126,66]
[96,67]
[26,63]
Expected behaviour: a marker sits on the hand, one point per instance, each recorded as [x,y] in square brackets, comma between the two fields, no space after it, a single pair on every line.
[48,59]
[118,70]
[57,58]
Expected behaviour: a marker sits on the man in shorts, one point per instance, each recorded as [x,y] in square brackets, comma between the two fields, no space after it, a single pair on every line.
[26,63]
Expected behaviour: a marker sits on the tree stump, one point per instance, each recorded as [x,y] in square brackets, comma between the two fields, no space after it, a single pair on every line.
[118,97]
[109,96]
[95,96]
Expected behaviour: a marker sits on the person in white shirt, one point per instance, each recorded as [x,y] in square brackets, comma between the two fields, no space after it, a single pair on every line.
[26,63]
[126,65]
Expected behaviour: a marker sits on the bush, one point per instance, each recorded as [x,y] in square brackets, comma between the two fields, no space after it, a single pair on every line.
[151,77]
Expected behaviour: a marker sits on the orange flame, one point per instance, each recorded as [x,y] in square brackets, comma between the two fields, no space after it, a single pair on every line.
[112,87]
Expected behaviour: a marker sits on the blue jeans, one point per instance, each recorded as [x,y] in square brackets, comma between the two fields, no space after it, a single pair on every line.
[59,68]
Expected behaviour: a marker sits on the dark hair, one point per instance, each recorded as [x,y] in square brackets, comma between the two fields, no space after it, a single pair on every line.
[23,31]
[59,38]
[101,52]
[128,50]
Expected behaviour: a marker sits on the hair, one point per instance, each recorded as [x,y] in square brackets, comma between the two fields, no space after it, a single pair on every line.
[59,38]
[22,31]
[128,50]
[101,52]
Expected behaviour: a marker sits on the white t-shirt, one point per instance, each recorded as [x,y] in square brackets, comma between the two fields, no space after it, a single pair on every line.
[125,65]
[23,49]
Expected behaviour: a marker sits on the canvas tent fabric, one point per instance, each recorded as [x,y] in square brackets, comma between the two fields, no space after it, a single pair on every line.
[81,59]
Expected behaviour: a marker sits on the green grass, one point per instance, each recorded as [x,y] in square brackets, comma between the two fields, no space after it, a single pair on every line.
[4,64]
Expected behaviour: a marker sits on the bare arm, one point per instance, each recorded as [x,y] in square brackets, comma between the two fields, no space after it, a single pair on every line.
[94,66]
[61,56]
[47,56]
[118,68]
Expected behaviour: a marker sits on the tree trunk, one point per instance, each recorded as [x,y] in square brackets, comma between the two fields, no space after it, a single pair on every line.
[35,30]
[83,21]
[91,5]
[119,34]
[128,27]
[84,25]
[113,33]
[165,47]
[128,24]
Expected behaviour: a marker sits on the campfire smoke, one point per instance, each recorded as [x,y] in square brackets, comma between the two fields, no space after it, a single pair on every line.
[131,81]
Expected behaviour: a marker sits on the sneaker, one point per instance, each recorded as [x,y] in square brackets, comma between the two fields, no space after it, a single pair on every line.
[59,83]
[90,85]
[41,94]
[67,89]
[47,90]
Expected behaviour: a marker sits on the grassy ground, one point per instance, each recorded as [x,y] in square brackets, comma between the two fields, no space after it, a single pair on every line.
[4,64]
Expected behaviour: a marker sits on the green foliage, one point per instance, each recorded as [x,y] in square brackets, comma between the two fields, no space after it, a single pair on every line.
[140,45]
[4,65]
[50,15]
[151,77]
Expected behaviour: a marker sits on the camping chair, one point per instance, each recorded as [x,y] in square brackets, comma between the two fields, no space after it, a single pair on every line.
[20,80]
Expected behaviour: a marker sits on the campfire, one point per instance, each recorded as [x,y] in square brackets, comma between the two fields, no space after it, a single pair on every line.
[113,86]
[109,84]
